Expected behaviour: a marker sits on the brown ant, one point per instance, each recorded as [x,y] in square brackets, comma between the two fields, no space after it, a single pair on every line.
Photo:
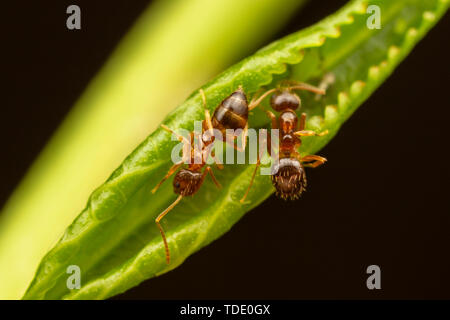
[288,175]
[232,113]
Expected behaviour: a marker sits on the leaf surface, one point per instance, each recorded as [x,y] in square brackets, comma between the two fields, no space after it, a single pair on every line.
[166,54]
[115,241]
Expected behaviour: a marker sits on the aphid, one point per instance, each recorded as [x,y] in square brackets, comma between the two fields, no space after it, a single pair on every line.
[232,113]
[288,175]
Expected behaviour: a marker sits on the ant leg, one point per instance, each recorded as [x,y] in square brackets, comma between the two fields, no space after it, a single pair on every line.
[273,119]
[244,138]
[229,139]
[216,161]
[180,137]
[302,122]
[315,161]
[207,114]
[169,173]
[295,85]
[209,170]
[308,133]
[161,230]
[186,154]
[218,165]
[207,153]
[258,163]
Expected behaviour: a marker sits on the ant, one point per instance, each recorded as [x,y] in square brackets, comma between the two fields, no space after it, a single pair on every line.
[232,113]
[288,175]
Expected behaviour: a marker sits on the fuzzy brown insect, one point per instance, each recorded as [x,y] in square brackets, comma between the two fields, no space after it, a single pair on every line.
[232,113]
[288,175]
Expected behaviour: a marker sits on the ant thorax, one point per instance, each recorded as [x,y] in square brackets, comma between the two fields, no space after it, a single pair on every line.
[288,122]
[288,125]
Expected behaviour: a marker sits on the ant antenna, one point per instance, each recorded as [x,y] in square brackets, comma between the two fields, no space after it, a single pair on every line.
[161,230]
[296,86]
[254,103]
[306,87]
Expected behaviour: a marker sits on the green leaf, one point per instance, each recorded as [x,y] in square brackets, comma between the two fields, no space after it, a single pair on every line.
[115,241]
[167,53]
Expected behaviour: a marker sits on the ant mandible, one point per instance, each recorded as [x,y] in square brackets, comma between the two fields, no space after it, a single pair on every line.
[288,175]
[232,113]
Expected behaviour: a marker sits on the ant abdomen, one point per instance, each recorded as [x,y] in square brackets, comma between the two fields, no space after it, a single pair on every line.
[289,178]
[284,100]
[187,182]
[232,113]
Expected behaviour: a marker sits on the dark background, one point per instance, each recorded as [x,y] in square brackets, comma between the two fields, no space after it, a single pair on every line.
[381,199]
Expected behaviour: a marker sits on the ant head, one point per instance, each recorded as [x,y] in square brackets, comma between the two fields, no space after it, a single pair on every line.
[285,99]
[186,182]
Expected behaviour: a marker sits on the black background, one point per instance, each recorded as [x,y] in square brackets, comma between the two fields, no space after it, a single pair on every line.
[381,199]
